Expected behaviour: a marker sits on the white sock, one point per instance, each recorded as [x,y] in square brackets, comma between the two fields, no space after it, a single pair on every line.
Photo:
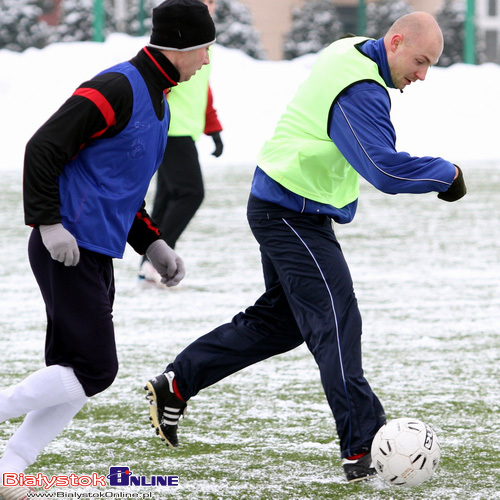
[39,428]
[47,387]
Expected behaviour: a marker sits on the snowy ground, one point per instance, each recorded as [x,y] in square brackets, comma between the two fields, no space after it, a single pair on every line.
[426,273]
[427,276]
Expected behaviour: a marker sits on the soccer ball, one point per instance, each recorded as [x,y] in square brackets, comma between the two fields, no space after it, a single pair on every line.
[405,452]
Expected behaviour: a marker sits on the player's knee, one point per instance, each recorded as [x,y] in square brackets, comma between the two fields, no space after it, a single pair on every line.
[197,196]
[99,379]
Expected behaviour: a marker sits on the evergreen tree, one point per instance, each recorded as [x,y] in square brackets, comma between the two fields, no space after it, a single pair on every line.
[77,19]
[235,28]
[381,14]
[451,19]
[46,5]
[315,25]
[20,27]
[75,23]
[133,25]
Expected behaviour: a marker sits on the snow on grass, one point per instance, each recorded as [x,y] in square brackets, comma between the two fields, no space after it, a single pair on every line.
[428,284]
[426,274]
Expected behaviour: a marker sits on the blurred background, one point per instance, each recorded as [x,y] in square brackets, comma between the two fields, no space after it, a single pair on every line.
[274,30]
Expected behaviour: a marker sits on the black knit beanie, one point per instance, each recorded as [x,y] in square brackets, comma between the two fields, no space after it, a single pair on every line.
[182,25]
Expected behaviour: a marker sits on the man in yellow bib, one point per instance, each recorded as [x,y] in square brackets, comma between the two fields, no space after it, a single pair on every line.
[179,182]
[336,128]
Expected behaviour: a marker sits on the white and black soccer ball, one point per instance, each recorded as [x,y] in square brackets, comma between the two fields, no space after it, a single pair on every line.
[405,452]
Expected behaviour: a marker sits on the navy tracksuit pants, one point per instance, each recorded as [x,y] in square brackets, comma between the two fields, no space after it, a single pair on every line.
[309,298]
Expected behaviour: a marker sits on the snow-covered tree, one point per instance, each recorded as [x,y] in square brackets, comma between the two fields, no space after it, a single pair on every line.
[451,19]
[131,23]
[315,25]
[381,14]
[76,21]
[235,29]
[20,27]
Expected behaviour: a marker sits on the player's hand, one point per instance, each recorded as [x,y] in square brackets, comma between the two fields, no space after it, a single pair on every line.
[61,244]
[166,262]
[218,144]
[457,188]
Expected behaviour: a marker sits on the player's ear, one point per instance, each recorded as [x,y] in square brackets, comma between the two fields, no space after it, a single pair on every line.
[396,42]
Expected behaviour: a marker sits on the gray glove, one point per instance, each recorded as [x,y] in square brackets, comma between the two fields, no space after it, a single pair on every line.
[61,244]
[166,262]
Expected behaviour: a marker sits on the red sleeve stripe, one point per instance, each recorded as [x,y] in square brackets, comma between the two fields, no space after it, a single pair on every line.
[102,104]
[148,223]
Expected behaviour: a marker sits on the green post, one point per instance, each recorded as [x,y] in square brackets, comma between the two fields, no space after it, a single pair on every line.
[98,25]
[142,18]
[470,34]
[361,17]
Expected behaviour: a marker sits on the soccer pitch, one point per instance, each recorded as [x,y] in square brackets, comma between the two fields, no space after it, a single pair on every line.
[427,278]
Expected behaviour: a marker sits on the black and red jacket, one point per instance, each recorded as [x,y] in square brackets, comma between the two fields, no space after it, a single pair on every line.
[99,109]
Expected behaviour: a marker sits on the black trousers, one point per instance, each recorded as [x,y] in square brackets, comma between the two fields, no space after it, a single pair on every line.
[309,298]
[179,188]
[79,304]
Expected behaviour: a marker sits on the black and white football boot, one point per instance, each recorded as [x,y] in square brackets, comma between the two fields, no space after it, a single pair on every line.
[359,468]
[165,407]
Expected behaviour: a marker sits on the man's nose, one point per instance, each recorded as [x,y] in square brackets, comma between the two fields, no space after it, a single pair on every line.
[421,74]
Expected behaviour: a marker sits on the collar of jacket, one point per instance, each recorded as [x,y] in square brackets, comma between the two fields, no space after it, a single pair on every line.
[156,68]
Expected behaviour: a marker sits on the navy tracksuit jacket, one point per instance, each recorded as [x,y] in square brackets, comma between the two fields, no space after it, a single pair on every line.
[309,294]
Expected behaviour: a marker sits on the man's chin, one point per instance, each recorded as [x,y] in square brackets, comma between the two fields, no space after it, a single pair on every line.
[194,73]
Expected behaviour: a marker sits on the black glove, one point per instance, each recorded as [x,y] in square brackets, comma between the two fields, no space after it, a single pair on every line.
[218,144]
[457,189]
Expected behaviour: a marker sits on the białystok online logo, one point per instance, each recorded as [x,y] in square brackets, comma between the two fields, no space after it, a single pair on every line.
[122,476]
[118,476]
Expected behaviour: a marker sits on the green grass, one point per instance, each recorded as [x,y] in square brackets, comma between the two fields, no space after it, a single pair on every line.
[236,445]
[427,277]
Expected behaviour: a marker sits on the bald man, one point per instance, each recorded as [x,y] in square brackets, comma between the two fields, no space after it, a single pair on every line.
[335,129]
[413,44]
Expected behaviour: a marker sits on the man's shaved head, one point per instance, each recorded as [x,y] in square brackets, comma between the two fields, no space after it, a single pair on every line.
[417,26]
[413,43]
